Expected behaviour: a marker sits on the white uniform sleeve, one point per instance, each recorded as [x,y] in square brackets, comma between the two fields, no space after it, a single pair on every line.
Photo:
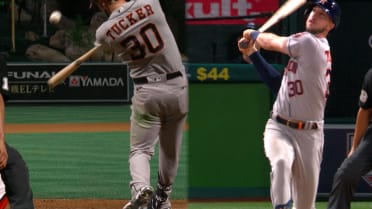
[299,42]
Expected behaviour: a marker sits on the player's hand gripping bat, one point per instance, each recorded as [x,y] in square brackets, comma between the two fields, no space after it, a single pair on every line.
[286,9]
[69,69]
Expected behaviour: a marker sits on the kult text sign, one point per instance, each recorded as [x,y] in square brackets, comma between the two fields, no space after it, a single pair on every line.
[234,11]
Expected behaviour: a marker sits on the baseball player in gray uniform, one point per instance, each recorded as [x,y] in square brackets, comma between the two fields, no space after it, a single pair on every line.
[138,31]
[293,137]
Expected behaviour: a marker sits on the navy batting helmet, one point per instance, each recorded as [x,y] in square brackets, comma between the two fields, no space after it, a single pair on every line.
[329,6]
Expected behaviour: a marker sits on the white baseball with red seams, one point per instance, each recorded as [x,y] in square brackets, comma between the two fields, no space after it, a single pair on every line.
[55,17]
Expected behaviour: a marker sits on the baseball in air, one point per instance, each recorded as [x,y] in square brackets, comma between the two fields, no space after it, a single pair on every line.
[55,17]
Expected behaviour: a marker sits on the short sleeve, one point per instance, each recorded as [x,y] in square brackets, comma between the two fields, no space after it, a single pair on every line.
[300,41]
[365,98]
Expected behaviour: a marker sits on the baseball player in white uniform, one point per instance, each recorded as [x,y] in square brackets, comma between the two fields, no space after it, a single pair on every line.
[138,31]
[293,137]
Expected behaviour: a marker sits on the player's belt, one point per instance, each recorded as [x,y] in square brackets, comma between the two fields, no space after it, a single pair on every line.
[156,78]
[296,124]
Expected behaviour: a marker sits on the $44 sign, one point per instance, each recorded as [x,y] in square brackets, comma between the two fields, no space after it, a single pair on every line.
[213,73]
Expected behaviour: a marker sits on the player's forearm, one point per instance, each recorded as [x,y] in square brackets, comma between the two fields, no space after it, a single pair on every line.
[361,125]
[267,72]
[272,42]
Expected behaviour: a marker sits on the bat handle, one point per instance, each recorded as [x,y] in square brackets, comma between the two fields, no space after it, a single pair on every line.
[244,44]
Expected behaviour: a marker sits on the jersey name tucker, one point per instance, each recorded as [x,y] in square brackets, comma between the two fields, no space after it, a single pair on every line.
[130,19]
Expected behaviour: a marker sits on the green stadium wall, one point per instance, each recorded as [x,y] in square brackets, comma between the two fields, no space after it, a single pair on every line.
[227,119]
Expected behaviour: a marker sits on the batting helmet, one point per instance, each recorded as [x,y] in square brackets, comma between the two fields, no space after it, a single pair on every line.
[329,6]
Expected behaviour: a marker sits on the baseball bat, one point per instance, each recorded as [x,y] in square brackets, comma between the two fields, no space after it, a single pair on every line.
[69,69]
[286,9]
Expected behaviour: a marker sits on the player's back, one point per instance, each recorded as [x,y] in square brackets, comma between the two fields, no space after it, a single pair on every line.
[139,33]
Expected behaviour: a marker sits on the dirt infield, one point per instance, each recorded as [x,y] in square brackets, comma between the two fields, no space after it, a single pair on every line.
[66,127]
[78,127]
[91,204]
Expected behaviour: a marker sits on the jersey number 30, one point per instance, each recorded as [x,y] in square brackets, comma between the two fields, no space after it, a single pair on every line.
[151,39]
[295,88]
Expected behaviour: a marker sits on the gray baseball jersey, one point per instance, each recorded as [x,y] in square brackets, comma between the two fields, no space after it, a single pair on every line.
[304,88]
[140,35]
[295,154]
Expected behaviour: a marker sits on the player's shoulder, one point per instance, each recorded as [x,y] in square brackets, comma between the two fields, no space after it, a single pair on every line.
[301,42]
[300,34]
[307,41]
[304,36]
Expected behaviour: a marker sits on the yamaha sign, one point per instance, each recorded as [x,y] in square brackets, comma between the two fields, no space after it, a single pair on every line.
[92,82]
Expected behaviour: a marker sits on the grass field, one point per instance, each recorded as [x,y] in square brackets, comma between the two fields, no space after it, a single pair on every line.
[81,164]
[91,165]
[262,205]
